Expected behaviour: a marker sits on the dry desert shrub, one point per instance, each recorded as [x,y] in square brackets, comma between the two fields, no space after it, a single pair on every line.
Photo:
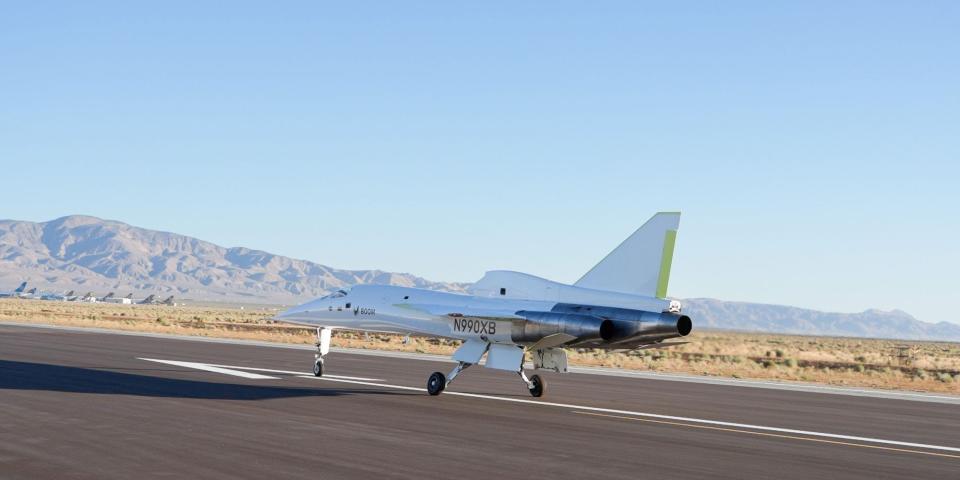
[928,366]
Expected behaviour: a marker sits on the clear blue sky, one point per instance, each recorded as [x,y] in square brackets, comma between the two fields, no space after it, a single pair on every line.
[813,147]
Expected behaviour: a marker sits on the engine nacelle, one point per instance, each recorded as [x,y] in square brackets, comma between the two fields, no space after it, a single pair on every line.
[634,326]
[541,324]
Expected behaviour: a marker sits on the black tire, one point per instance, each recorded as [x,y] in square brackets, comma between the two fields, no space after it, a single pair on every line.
[318,368]
[436,383]
[538,386]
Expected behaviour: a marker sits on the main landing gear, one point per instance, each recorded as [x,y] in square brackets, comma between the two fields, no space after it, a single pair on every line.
[323,348]
[437,382]
[535,384]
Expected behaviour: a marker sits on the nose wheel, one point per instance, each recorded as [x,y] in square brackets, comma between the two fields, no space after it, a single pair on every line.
[318,367]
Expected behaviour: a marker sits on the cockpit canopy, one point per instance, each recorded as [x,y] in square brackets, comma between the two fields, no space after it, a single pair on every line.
[337,294]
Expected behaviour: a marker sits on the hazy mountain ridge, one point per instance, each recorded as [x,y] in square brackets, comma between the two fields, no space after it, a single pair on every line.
[758,317]
[88,253]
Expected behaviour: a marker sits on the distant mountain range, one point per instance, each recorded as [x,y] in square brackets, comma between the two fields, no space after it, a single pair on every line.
[88,253]
[758,317]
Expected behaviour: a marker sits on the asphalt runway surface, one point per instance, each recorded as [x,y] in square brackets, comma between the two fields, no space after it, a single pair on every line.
[96,405]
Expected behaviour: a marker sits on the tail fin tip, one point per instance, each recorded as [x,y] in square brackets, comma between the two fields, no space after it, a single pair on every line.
[641,264]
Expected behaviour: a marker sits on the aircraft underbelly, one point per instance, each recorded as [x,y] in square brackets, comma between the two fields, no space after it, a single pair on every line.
[376,323]
[486,329]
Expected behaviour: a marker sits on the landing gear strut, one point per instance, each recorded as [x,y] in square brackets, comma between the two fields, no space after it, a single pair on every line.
[323,347]
[438,382]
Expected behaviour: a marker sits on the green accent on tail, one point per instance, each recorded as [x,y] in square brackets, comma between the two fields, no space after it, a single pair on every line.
[666,260]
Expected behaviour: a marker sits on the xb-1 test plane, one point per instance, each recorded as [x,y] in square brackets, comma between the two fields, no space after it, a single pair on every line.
[620,304]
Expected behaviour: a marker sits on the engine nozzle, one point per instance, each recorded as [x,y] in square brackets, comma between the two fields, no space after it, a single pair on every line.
[651,327]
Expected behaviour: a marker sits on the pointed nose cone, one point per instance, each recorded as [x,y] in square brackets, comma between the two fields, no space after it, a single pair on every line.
[288,313]
[293,313]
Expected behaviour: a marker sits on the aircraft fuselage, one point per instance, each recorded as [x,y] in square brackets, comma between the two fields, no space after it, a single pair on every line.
[412,311]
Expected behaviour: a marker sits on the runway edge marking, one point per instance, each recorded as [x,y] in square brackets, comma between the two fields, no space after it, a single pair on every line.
[768,434]
[700,421]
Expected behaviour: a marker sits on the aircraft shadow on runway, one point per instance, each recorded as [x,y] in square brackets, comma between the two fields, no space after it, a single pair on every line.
[59,378]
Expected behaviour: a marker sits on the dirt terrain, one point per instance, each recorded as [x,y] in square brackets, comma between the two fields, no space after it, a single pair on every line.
[920,366]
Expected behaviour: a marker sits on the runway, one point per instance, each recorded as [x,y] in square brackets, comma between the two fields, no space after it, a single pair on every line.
[99,405]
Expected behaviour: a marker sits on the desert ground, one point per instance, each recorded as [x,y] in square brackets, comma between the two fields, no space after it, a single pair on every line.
[876,363]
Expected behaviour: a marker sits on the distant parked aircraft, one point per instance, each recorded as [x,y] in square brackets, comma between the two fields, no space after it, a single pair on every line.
[153,300]
[58,296]
[89,298]
[15,293]
[111,298]
[620,304]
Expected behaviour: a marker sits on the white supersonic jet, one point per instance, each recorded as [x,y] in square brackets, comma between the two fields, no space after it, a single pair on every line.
[620,304]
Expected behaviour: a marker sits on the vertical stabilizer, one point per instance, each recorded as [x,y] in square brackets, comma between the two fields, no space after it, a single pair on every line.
[641,264]
[21,288]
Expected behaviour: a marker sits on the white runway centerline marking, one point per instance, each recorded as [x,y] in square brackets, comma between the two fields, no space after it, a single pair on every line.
[768,434]
[373,382]
[700,421]
[211,368]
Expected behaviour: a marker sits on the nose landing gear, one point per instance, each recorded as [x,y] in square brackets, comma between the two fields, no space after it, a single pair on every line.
[323,348]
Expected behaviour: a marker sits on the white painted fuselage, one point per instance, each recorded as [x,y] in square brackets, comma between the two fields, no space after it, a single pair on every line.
[411,311]
[493,315]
